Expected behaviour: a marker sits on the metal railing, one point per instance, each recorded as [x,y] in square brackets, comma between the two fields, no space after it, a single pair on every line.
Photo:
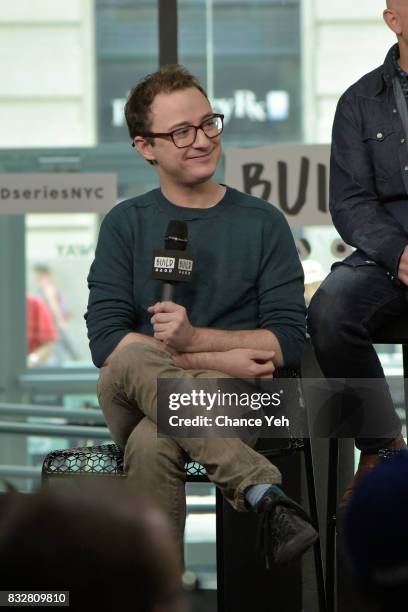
[31,410]
[20,419]
[64,429]
[61,431]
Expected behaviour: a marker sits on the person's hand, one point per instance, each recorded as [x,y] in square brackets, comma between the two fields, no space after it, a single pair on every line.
[171,325]
[403,267]
[246,363]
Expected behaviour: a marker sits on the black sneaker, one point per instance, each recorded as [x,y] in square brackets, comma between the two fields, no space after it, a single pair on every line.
[285,530]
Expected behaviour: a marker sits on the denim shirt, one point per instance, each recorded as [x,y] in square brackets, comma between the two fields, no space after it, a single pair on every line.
[369,168]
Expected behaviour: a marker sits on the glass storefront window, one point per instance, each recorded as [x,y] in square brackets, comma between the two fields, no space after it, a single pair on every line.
[59,113]
[247,55]
[126,48]
[56,246]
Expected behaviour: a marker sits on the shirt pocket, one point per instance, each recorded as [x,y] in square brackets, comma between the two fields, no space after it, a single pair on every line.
[382,144]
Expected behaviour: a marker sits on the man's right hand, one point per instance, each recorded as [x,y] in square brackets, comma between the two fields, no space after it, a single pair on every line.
[403,267]
[245,363]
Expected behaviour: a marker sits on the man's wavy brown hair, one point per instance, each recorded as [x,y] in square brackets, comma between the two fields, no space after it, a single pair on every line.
[172,77]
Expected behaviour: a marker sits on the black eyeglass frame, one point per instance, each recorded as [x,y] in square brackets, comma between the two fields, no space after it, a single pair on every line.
[196,127]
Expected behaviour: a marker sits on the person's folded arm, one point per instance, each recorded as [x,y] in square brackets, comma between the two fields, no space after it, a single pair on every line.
[172,327]
[213,340]
[238,363]
[358,215]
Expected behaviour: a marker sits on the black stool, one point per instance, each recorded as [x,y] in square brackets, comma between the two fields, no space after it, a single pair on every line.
[107,460]
[394,332]
[103,460]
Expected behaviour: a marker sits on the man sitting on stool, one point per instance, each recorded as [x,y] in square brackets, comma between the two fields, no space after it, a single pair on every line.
[368,203]
[242,315]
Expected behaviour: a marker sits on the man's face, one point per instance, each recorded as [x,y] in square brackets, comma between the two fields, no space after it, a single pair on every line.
[193,164]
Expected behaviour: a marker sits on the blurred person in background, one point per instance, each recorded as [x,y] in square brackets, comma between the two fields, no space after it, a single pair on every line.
[64,347]
[41,332]
[112,552]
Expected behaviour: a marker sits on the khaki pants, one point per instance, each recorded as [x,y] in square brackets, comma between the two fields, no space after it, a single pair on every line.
[127,391]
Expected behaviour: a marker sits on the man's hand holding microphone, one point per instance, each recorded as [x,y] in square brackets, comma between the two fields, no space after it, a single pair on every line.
[172,327]
[195,347]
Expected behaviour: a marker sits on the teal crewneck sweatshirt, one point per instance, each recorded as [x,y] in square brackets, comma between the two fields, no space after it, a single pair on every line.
[247,273]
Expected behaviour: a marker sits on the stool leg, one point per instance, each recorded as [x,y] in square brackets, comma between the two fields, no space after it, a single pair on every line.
[219,530]
[311,491]
[331,524]
[405,370]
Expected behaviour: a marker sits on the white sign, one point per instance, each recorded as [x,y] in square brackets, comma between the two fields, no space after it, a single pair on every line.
[242,104]
[292,177]
[57,192]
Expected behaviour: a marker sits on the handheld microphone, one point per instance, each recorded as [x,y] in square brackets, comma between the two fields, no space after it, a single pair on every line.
[173,264]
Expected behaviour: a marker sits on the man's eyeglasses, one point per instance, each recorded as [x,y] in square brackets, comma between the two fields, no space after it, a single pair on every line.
[185,136]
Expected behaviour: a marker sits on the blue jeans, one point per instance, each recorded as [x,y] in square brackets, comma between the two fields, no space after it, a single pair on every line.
[352,303]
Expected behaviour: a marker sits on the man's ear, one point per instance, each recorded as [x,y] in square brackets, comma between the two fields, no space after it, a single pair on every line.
[144,147]
[392,20]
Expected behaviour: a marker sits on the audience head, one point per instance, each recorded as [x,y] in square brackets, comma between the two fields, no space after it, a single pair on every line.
[112,550]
